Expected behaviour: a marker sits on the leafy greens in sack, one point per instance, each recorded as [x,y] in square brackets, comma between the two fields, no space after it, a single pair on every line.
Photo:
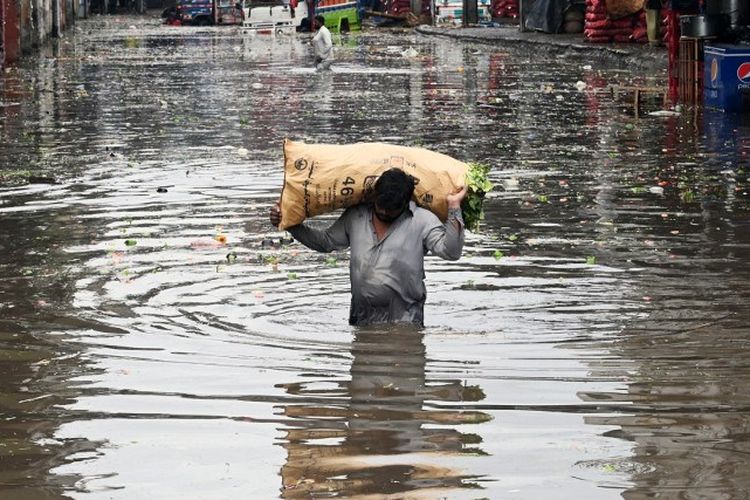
[477,185]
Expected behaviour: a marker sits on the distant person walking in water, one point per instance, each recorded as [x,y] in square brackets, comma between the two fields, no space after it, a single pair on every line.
[322,44]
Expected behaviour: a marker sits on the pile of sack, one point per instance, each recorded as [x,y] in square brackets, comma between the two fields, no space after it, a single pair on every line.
[599,27]
[397,7]
[573,20]
[504,8]
[670,27]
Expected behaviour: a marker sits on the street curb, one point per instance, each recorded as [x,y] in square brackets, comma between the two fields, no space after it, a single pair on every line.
[631,55]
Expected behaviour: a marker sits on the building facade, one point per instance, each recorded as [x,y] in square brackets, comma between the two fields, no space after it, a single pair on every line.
[27,24]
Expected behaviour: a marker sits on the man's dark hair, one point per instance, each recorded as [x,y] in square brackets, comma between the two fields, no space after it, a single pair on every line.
[393,189]
[320,20]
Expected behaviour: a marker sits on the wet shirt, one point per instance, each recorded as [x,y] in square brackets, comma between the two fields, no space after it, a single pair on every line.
[322,44]
[387,276]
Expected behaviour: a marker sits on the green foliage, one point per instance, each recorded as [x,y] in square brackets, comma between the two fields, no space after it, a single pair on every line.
[477,186]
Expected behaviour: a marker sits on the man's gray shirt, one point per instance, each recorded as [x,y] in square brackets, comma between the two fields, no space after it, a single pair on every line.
[387,276]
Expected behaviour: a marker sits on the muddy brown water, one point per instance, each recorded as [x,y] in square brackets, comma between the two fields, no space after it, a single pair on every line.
[591,343]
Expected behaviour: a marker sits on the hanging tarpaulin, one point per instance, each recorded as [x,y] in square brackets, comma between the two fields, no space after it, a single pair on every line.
[622,8]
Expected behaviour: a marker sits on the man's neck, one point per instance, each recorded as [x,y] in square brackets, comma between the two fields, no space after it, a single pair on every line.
[381,228]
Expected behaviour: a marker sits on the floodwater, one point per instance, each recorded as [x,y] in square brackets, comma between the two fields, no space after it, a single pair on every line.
[159,342]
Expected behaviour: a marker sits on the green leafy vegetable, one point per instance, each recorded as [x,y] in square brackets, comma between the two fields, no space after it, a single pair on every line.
[477,186]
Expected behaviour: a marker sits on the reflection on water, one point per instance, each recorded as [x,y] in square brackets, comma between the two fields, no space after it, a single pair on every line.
[160,340]
[688,423]
[372,434]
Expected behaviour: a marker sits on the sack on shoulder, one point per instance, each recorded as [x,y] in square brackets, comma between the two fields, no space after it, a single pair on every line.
[322,178]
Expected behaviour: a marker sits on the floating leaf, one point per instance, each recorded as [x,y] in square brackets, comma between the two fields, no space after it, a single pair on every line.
[292,276]
[130,243]
[271,259]
[513,237]
[498,255]
[591,260]
[331,261]
[687,196]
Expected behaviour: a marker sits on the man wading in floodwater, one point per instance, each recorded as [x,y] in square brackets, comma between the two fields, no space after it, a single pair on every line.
[389,238]
[322,44]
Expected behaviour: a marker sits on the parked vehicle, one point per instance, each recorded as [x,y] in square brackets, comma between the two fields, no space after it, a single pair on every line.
[282,15]
[205,12]
[340,15]
[272,16]
[265,15]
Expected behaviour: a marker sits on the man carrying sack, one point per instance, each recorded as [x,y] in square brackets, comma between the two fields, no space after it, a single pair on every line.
[388,235]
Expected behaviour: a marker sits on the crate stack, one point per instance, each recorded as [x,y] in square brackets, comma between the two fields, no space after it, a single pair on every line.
[599,28]
[504,8]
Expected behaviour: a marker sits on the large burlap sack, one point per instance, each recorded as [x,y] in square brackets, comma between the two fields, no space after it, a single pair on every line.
[321,178]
